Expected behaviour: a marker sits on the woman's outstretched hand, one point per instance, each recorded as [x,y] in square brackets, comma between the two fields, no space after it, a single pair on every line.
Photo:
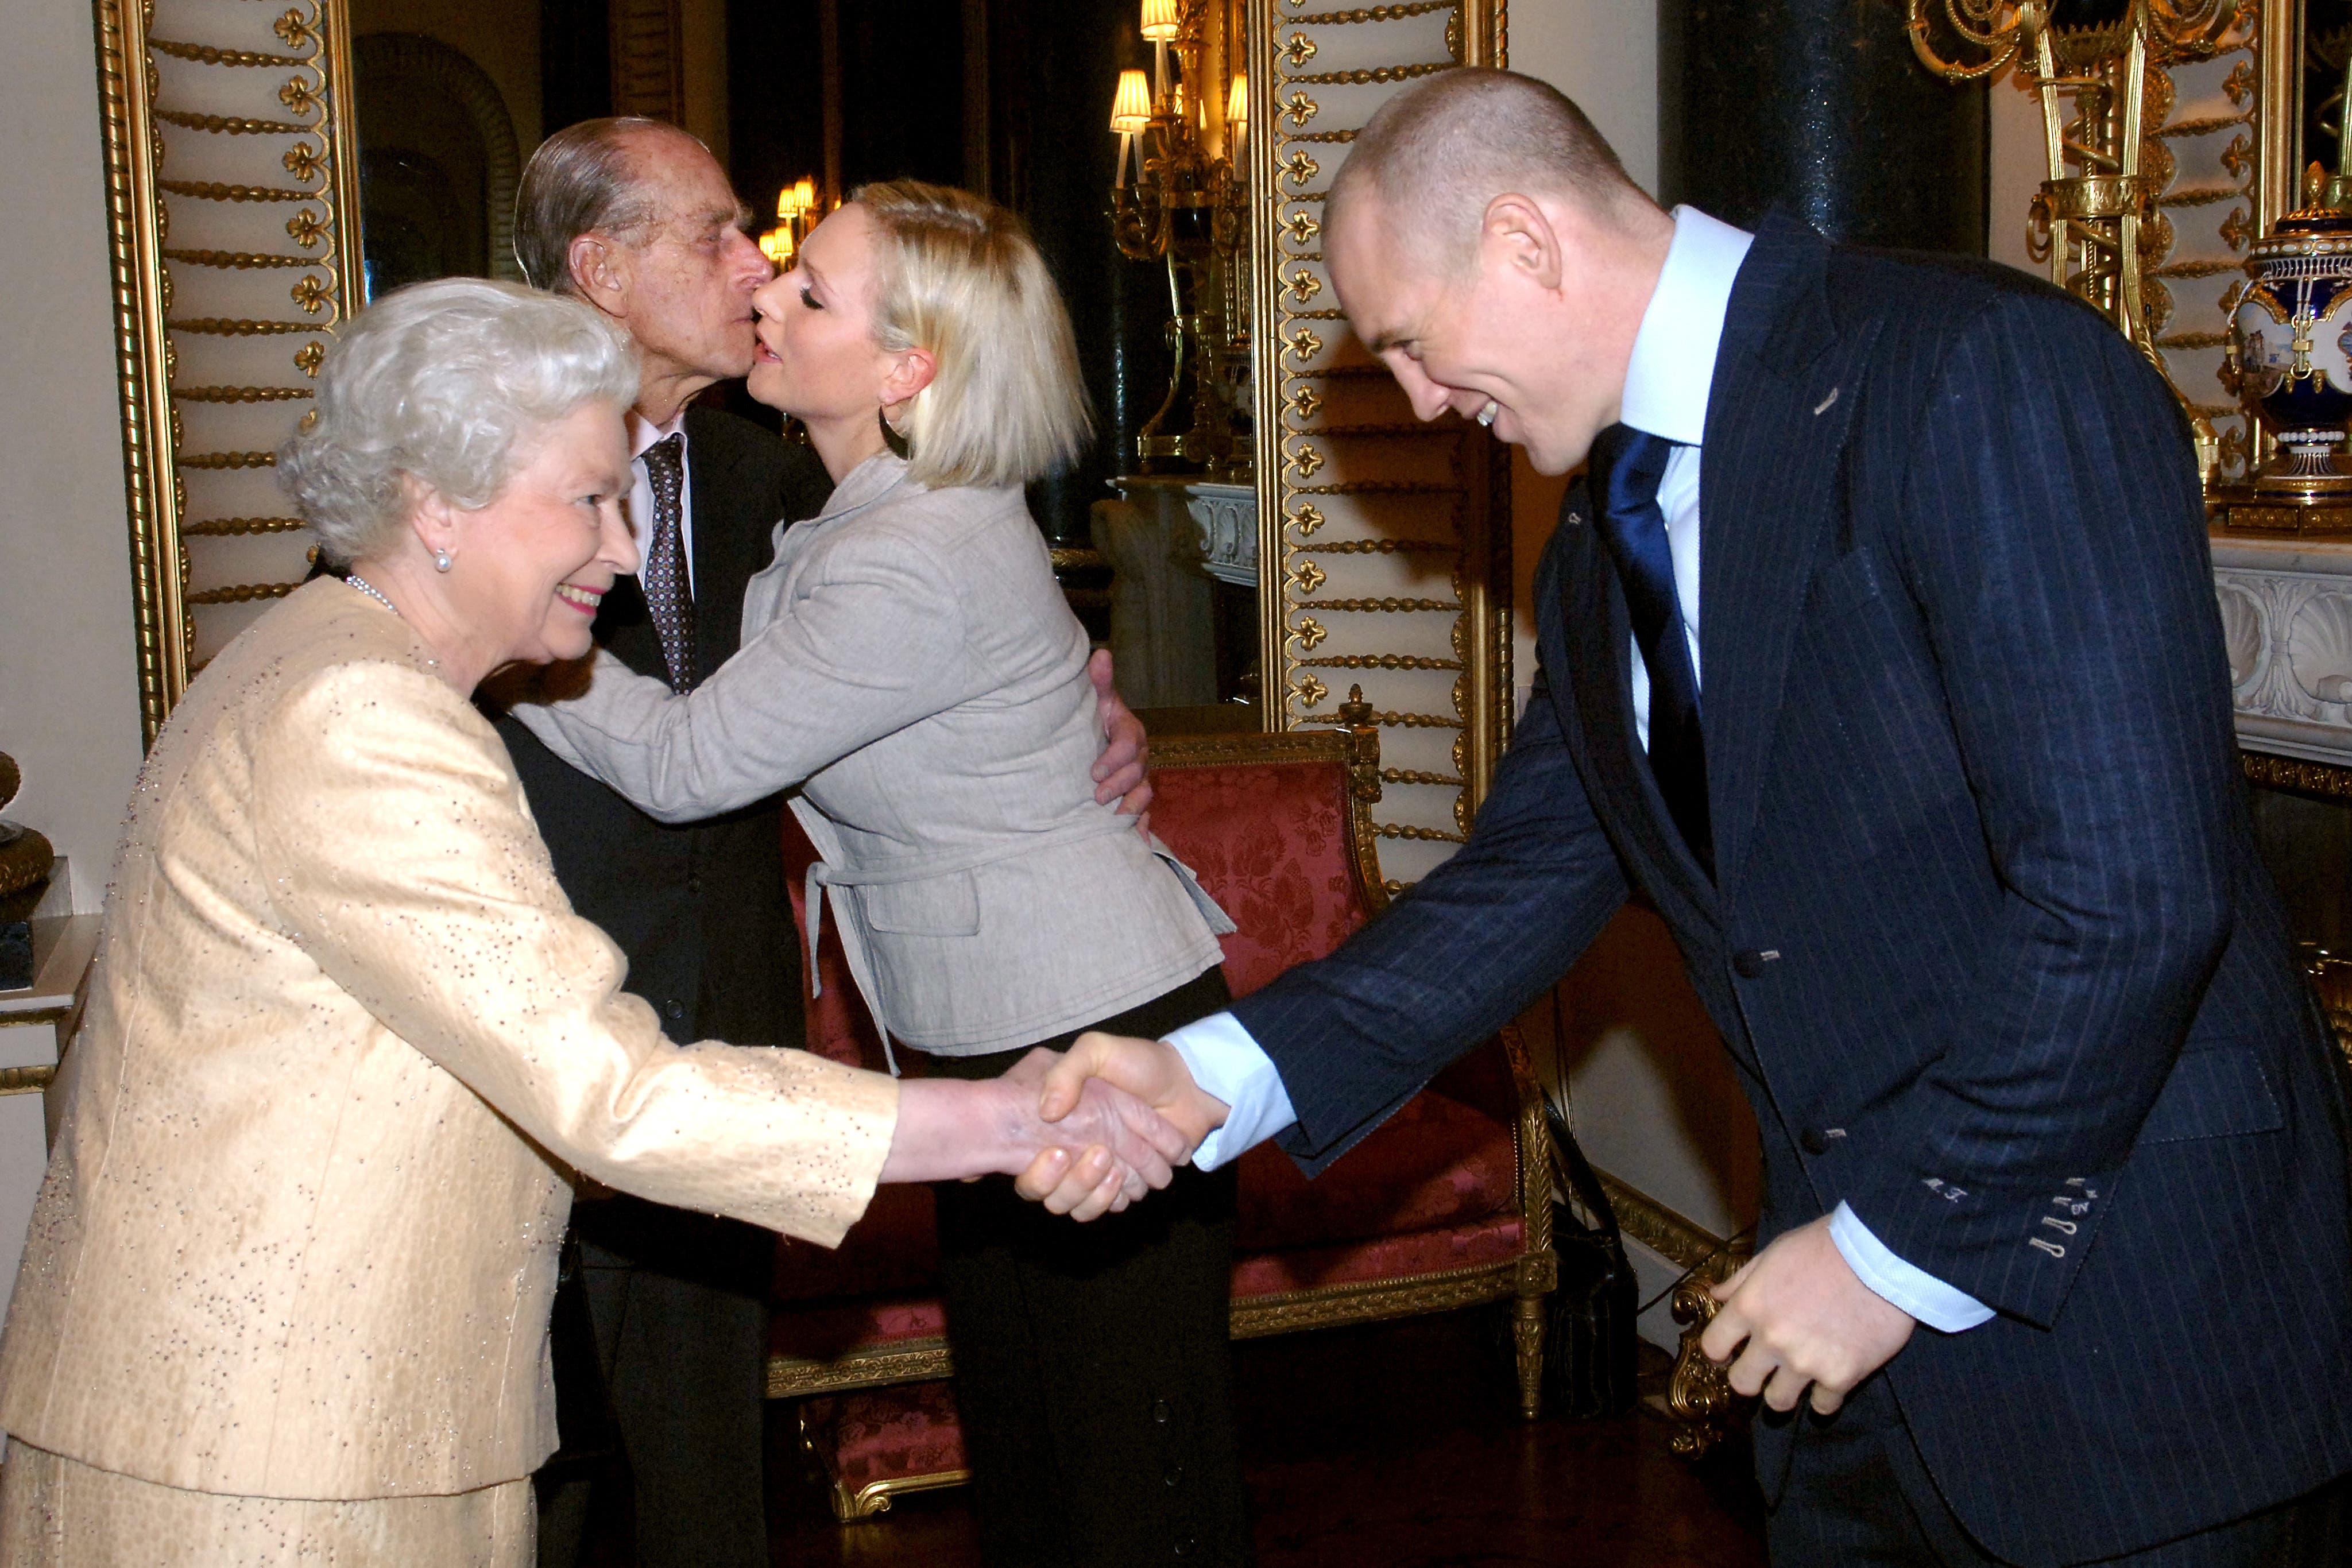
[1105,1152]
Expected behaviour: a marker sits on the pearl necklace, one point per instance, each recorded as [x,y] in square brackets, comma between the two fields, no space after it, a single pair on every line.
[364,586]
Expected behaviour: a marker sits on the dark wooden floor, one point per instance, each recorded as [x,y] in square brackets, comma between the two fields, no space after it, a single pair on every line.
[1391,1446]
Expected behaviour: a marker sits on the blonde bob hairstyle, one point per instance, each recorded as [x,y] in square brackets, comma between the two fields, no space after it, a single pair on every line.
[958,278]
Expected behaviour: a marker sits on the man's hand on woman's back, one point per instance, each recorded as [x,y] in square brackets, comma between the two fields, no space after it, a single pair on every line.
[1123,772]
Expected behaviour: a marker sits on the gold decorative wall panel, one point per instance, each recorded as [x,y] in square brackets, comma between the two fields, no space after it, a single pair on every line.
[1384,542]
[231,195]
[2219,140]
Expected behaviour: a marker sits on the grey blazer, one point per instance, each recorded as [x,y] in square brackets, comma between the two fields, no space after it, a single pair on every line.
[909,661]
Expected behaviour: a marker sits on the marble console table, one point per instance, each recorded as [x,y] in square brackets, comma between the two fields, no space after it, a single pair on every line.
[2286,620]
[1170,539]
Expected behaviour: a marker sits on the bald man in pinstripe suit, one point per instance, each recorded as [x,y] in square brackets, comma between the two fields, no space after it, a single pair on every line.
[1879,654]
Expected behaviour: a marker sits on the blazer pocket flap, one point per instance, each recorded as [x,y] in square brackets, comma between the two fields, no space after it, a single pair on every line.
[2214,1095]
[943,905]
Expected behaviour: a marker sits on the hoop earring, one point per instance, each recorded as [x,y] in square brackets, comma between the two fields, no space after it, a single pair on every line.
[440,560]
[891,436]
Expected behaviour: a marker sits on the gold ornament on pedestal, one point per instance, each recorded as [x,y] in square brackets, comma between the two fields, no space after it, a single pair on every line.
[26,860]
[2099,202]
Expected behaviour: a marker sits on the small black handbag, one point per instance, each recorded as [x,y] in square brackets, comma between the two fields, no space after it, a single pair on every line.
[1588,1353]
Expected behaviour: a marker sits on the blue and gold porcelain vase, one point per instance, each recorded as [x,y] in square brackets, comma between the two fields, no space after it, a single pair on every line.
[2291,342]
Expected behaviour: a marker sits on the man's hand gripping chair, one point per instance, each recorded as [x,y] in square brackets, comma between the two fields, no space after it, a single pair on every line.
[1447,1205]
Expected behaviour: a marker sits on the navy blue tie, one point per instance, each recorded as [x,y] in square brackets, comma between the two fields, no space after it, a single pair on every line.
[1627,465]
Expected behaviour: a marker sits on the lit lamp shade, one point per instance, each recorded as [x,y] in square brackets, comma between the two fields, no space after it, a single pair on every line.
[1130,112]
[804,194]
[1160,22]
[1237,106]
[776,245]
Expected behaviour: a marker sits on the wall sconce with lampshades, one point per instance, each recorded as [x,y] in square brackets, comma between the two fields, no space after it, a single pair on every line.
[1181,196]
[797,207]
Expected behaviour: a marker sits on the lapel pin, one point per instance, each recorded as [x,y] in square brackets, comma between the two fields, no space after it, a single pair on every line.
[1823,407]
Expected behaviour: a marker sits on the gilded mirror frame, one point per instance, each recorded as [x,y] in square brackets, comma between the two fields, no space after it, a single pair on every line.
[232,169]
[1384,543]
[231,195]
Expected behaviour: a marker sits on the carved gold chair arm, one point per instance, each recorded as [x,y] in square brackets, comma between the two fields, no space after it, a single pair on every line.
[1698,1395]
[2332,978]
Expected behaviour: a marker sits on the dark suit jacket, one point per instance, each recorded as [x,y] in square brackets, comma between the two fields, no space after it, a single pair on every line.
[1990,946]
[700,910]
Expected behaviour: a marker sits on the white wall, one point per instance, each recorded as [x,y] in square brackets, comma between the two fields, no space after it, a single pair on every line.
[2020,161]
[68,677]
[1604,55]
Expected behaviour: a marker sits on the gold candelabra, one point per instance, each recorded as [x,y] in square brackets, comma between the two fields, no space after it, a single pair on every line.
[2093,211]
[1183,131]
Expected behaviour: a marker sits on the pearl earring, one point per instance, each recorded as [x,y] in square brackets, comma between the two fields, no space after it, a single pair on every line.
[440,560]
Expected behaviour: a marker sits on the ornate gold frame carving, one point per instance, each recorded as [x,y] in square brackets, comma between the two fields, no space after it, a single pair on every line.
[1412,598]
[874,1499]
[2330,780]
[260,152]
[1698,1393]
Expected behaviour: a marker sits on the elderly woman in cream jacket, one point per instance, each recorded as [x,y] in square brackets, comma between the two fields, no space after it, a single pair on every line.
[285,1293]
[910,663]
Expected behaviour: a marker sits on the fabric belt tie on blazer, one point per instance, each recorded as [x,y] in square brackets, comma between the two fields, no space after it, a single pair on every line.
[821,874]
[1634,527]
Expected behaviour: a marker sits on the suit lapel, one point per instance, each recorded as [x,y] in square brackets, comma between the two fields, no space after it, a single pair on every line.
[1770,493]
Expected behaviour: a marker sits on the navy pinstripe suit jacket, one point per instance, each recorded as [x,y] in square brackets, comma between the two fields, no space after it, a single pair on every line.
[1990,944]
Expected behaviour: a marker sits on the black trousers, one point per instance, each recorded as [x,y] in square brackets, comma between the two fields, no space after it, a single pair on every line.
[1094,1373]
[1859,1494]
[678,1305]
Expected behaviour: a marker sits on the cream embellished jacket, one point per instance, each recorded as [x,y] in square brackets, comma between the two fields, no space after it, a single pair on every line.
[346,1046]
[910,657]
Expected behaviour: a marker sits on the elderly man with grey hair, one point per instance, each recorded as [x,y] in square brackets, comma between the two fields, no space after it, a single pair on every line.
[636,218]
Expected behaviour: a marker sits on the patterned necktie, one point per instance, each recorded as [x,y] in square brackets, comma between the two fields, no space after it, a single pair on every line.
[667,595]
[1628,465]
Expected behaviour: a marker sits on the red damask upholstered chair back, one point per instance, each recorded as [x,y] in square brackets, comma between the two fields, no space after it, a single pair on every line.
[1264,823]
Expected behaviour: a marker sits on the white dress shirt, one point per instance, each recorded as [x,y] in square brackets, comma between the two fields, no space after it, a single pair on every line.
[1667,382]
[642,434]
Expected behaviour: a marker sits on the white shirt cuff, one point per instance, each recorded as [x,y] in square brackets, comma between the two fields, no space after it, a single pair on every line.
[1226,1062]
[1905,1285]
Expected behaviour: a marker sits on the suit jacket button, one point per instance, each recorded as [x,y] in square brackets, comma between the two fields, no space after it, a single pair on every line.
[1748,962]
[1815,1141]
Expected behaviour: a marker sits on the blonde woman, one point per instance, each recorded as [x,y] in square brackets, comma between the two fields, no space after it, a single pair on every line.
[285,1295]
[909,661]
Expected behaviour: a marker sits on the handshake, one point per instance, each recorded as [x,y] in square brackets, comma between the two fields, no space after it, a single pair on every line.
[1085,1132]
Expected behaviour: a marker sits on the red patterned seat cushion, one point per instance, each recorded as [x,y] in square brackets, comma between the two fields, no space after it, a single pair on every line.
[893,1248]
[822,1331]
[1403,1256]
[1436,1162]
[885,1434]
[825,1330]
